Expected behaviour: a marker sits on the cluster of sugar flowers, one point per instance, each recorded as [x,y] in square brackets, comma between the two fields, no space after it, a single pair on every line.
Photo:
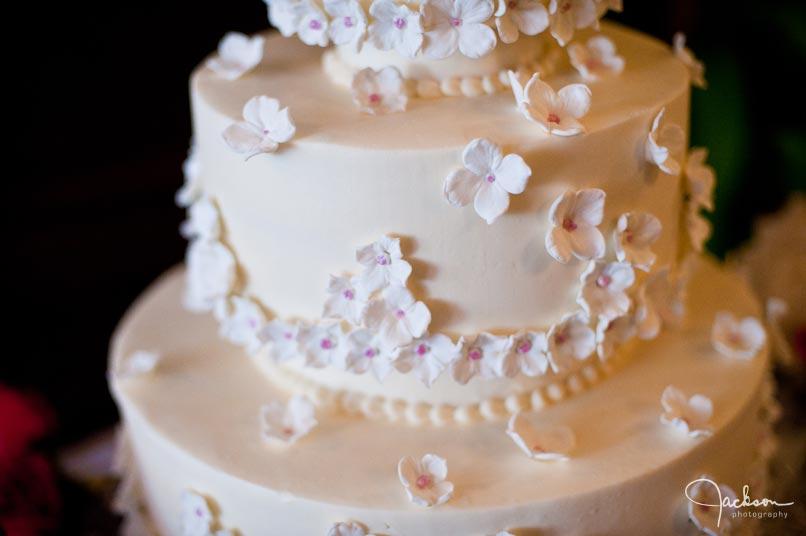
[439,29]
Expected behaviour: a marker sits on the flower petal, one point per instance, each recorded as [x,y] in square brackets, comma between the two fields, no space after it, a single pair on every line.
[575,99]
[558,244]
[512,174]
[461,186]
[242,139]
[589,206]
[476,40]
[491,201]
[482,156]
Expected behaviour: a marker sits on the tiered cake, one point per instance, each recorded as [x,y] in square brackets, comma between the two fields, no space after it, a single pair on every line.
[436,285]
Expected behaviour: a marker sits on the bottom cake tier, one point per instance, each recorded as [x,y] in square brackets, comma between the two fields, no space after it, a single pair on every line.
[193,424]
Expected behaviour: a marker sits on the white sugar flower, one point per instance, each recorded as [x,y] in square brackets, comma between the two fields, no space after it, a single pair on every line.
[574,217]
[556,112]
[139,363]
[210,274]
[596,58]
[312,25]
[528,355]
[691,415]
[711,506]
[659,301]
[635,233]
[424,480]
[366,351]
[487,180]
[379,92]
[284,15]
[384,265]
[566,16]
[539,442]
[514,17]
[428,357]
[397,317]
[350,528]
[700,179]
[197,518]
[203,220]
[612,333]
[570,341]
[347,300]
[603,290]
[740,339]
[264,128]
[698,228]
[237,55]
[395,27]
[452,24]
[281,338]
[662,143]
[349,24]
[323,345]
[482,358]
[191,189]
[240,322]
[696,68]
[287,422]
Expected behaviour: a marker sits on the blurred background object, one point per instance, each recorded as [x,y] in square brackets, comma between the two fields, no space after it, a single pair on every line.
[100,125]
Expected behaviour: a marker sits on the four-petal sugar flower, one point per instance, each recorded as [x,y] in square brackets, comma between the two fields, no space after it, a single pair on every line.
[659,301]
[428,357]
[691,415]
[379,92]
[264,128]
[323,345]
[482,358]
[237,55]
[596,58]
[740,339]
[139,363]
[197,518]
[424,480]
[284,15]
[574,217]
[210,274]
[556,112]
[570,341]
[514,17]
[384,265]
[700,179]
[281,338]
[240,321]
[635,233]
[347,300]
[566,16]
[349,24]
[312,23]
[487,180]
[548,443]
[711,506]
[696,68]
[395,27]
[288,422]
[528,355]
[366,351]
[349,528]
[452,24]
[191,190]
[662,143]
[397,317]
[203,220]
[611,333]
[603,290]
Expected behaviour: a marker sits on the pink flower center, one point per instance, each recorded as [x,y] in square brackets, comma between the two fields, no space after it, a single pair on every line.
[735,338]
[593,64]
[288,335]
[315,25]
[370,353]
[561,337]
[604,281]
[374,98]
[348,22]
[538,448]
[553,118]
[326,344]
[288,431]
[512,4]
[524,347]
[382,259]
[348,294]
[424,482]
[265,132]
[422,349]
[474,354]
[456,21]
[569,225]
[490,178]
[400,23]
[565,8]
[400,313]
[252,323]
[199,512]
[628,236]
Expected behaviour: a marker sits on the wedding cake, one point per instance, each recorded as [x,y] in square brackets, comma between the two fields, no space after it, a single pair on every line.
[444,277]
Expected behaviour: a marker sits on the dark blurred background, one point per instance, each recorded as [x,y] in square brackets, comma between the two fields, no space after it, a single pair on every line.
[101,125]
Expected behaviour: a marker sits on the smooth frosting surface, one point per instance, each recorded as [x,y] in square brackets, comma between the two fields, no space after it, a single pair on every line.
[194,424]
[296,216]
